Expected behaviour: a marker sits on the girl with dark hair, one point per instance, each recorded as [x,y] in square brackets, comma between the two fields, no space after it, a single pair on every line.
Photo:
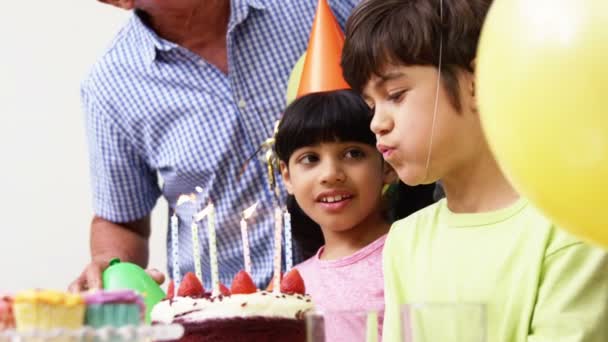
[335,177]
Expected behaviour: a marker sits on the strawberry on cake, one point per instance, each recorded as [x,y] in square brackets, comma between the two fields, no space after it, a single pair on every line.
[241,313]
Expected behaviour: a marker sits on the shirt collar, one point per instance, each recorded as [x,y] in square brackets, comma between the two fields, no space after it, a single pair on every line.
[150,42]
[153,43]
[239,10]
[257,4]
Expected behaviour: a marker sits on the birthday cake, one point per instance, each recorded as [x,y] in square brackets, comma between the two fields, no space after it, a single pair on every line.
[242,313]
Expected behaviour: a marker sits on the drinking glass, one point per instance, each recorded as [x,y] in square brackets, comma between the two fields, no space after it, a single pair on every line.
[347,326]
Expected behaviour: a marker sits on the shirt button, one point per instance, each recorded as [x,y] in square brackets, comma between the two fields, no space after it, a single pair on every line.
[202,63]
[242,104]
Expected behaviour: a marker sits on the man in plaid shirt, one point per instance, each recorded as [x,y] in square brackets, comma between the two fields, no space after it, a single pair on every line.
[184,96]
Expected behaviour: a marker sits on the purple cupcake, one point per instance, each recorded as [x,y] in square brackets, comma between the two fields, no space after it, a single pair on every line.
[114,308]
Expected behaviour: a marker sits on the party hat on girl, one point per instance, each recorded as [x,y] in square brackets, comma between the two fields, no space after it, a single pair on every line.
[319,67]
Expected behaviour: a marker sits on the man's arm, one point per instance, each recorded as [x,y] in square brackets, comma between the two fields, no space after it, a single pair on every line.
[125,187]
[127,241]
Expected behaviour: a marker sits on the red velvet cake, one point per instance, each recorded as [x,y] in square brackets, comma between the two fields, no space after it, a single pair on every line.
[242,313]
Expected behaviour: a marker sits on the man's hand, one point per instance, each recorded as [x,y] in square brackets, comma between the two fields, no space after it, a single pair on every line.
[90,278]
[126,241]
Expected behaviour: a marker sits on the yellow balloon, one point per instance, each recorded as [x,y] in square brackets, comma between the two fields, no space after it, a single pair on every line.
[294,79]
[542,87]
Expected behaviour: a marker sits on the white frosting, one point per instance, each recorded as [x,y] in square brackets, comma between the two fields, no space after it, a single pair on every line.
[262,303]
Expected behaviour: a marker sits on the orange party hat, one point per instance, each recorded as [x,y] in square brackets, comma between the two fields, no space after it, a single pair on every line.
[322,71]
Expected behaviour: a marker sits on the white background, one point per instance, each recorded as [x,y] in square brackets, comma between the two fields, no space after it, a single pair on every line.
[46,49]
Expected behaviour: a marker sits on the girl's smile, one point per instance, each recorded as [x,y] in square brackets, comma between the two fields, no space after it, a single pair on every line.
[334,201]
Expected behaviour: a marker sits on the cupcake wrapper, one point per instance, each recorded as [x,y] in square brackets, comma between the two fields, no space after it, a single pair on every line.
[43,316]
[115,315]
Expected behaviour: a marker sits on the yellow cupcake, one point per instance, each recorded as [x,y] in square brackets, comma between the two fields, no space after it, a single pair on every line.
[47,310]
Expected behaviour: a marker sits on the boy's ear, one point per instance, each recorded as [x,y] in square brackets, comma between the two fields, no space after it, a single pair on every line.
[286,177]
[471,85]
[389,174]
[124,4]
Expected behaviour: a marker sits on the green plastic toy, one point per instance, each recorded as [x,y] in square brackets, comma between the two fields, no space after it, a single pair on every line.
[125,275]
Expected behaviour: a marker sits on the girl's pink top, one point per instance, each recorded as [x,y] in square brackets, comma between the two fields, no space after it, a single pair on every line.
[346,289]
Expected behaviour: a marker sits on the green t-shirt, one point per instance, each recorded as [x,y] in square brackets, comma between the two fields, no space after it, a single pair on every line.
[538,282]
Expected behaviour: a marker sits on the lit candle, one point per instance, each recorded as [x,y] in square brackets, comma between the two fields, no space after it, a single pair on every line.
[209,212]
[182,199]
[196,253]
[196,244]
[177,277]
[175,249]
[277,250]
[245,236]
[215,277]
[288,247]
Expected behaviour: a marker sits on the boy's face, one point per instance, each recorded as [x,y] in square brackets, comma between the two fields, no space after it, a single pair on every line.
[337,184]
[403,98]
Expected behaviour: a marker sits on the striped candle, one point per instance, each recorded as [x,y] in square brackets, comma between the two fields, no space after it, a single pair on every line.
[175,249]
[245,237]
[215,279]
[278,229]
[288,247]
[196,252]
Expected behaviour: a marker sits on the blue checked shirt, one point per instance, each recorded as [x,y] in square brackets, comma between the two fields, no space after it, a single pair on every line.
[155,109]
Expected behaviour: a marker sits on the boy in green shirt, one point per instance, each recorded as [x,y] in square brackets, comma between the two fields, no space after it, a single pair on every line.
[413,61]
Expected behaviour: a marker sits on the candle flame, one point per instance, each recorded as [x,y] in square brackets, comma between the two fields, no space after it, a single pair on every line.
[201,214]
[249,211]
[185,199]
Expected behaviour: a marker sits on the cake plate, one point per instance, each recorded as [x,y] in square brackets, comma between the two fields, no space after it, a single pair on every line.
[128,333]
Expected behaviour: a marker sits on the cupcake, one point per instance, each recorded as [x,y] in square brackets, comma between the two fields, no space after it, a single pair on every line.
[47,310]
[114,308]
[7,320]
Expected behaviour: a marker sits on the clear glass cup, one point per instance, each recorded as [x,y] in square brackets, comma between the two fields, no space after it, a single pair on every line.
[444,322]
[347,326]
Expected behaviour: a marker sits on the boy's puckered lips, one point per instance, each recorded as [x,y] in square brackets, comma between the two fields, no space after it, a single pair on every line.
[385,150]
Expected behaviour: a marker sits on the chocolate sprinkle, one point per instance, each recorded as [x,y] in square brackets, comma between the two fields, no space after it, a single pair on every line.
[300,314]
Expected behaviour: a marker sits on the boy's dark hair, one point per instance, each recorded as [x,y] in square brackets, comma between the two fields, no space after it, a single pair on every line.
[331,117]
[409,32]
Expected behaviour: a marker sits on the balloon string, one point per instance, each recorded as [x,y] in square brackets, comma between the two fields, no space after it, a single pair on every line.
[436,106]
